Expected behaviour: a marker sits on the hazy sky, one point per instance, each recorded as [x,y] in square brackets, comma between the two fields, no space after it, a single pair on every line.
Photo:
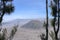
[28,9]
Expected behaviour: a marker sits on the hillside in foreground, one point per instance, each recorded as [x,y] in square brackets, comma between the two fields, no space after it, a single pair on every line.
[27,29]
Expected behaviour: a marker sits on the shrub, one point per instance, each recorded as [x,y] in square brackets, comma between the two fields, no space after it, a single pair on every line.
[52,35]
[43,36]
[13,32]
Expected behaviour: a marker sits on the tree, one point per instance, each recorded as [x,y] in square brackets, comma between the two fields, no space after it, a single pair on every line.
[46,24]
[55,6]
[46,19]
[6,7]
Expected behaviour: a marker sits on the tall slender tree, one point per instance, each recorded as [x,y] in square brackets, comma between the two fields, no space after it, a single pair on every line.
[55,14]
[58,17]
[46,19]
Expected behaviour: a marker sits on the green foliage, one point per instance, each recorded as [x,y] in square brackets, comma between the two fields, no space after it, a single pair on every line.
[54,13]
[52,22]
[55,1]
[0,36]
[9,8]
[54,9]
[42,36]
[13,32]
[6,7]
[44,24]
[52,35]
[3,34]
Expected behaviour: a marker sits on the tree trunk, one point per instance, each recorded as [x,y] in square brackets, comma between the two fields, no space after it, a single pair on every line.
[55,31]
[2,12]
[56,35]
[47,19]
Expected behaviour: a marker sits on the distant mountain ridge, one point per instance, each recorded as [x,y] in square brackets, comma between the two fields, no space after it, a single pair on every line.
[25,23]
[33,24]
[15,22]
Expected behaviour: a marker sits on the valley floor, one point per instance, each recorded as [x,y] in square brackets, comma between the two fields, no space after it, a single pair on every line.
[28,34]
